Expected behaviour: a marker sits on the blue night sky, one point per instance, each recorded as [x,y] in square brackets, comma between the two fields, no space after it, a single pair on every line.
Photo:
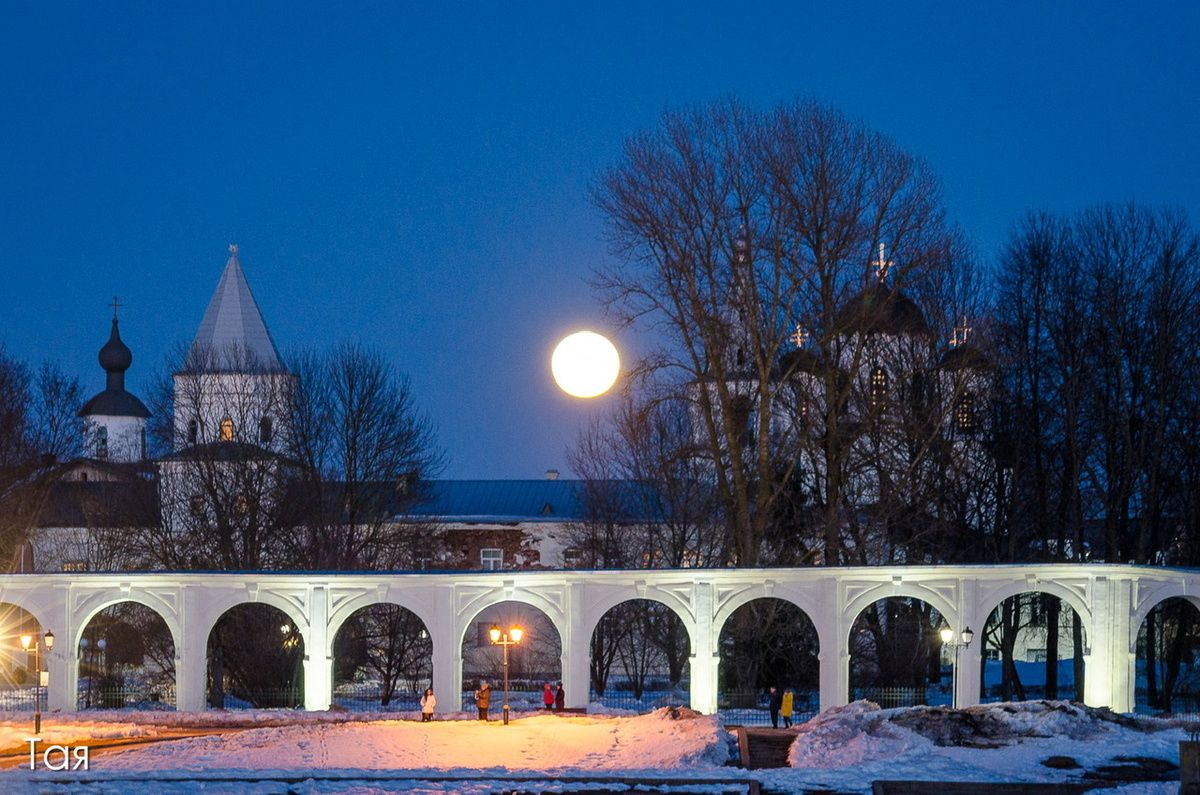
[418,179]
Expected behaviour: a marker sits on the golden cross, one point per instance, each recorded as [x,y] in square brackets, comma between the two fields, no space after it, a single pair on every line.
[800,336]
[959,337]
[882,264]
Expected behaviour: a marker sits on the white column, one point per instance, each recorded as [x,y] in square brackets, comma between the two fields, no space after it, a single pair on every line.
[1123,651]
[318,664]
[704,660]
[970,659]
[447,652]
[191,652]
[576,649]
[1098,665]
[62,664]
[834,652]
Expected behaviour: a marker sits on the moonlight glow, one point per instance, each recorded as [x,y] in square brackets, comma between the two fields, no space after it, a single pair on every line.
[585,364]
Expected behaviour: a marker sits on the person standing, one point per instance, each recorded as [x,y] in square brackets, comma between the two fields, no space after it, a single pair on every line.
[483,699]
[547,696]
[560,698]
[789,704]
[428,705]
[775,704]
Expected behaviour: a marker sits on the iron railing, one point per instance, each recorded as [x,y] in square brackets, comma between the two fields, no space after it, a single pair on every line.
[21,699]
[125,697]
[264,698]
[649,701]
[753,707]
[889,697]
[369,697]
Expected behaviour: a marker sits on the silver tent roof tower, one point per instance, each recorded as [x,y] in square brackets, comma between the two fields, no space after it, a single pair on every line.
[232,335]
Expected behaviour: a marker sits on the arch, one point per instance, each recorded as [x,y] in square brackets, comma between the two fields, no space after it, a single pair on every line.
[150,601]
[101,653]
[759,591]
[888,590]
[599,608]
[339,615]
[471,611]
[226,601]
[638,664]
[395,649]
[1032,674]
[894,652]
[1166,677]
[269,649]
[538,658]
[780,648]
[1170,590]
[1065,594]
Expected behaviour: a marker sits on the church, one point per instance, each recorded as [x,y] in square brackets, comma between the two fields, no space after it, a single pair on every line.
[230,417]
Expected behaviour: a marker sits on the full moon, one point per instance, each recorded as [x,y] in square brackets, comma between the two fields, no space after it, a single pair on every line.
[585,364]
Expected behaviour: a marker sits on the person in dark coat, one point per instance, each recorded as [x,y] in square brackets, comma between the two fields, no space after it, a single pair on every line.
[560,698]
[483,699]
[548,696]
[775,704]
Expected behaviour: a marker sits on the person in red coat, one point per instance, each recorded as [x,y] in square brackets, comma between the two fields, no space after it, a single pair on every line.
[547,696]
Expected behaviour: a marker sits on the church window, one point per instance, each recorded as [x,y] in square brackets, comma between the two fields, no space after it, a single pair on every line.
[743,421]
[491,559]
[264,430]
[879,387]
[74,565]
[197,505]
[964,413]
[193,431]
[241,505]
[226,430]
[102,442]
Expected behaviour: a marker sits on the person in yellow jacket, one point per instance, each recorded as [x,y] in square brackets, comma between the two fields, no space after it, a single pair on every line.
[789,703]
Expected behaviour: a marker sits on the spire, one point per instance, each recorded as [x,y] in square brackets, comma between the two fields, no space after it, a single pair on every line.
[232,336]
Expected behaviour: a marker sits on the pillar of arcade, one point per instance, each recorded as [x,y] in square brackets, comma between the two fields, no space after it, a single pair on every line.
[318,664]
[705,659]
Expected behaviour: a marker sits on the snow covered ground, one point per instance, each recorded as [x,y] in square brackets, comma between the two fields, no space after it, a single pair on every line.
[842,750]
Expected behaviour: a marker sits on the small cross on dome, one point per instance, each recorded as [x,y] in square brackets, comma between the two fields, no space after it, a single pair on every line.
[115,306]
[882,264]
[233,248]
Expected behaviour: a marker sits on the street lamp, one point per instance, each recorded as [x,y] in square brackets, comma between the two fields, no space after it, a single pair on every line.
[28,641]
[500,637]
[964,640]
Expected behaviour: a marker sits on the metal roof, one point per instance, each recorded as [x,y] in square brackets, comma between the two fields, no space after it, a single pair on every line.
[540,500]
[232,335]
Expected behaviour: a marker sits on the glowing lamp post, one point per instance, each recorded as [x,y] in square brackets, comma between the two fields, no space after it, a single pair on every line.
[964,640]
[28,641]
[503,638]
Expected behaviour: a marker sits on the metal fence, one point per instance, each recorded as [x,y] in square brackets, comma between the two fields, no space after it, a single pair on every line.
[524,695]
[1065,692]
[889,697]
[753,707]
[1183,704]
[369,697]
[649,701]
[140,698]
[21,699]
[266,698]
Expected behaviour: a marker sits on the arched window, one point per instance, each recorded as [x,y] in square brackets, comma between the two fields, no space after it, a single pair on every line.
[197,505]
[226,430]
[102,442]
[879,387]
[193,431]
[264,430]
[964,413]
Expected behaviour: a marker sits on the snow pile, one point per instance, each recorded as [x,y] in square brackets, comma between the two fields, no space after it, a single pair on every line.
[851,735]
[14,734]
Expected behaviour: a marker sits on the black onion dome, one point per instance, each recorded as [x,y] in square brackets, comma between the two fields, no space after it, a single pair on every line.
[881,310]
[799,361]
[115,355]
[965,357]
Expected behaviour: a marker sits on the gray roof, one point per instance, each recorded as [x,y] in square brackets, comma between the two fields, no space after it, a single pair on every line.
[233,336]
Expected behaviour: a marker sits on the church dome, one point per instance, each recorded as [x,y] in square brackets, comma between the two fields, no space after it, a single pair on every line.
[799,361]
[881,310]
[965,357]
[115,356]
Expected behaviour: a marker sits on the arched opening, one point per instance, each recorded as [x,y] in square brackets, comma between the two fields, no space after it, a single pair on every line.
[264,430]
[19,666]
[126,660]
[382,660]
[639,655]
[1033,646]
[226,430]
[768,643]
[255,660]
[896,655]
[532,663]
[1168,673]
